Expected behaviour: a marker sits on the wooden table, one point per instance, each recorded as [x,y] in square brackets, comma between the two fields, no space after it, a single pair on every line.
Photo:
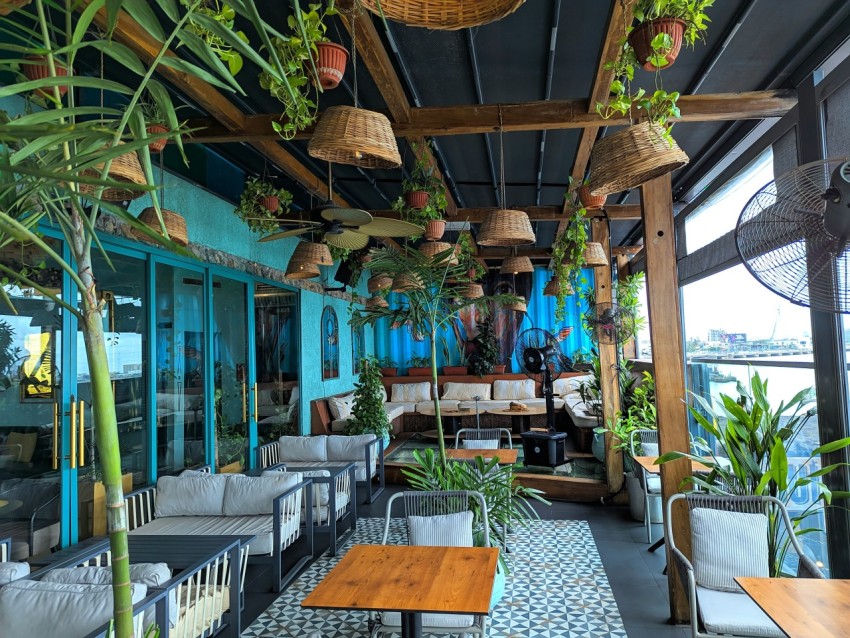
[411,580]
[520,421]
[648,463]
[802,607]
[506,457]
[452,417]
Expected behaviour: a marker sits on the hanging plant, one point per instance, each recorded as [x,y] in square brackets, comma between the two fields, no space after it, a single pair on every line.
[156,124]
[261,205]
[663,27]
[206,22]
[423,200]
[568,258]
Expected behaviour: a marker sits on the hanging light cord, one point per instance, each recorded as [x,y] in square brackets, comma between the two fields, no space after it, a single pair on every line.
[501,159]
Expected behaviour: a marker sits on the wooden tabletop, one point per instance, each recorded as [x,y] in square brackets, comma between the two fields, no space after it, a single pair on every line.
[409,579]
[802,607]
[506,457]
[648,463]
[526,412]
[429,411]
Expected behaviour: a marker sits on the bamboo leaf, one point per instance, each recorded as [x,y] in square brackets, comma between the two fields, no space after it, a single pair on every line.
[197,46]
[169,8]
[121,54]
[141,12]
[85,19]
[112,9]
[77,81]
[162,98]
[219,30]
[193,69]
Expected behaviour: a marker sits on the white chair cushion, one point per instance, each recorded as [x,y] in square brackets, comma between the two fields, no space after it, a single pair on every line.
[653,484]
[406,406]
[728,544]
[492,444]
[444,530]
[32,608]
[341,406]
[569,385]
[13,571]
[650,449]
[251,496]
[393,619]
[466,391]
[411,392]
[504,390]
[190,496]
[348,448]
[725,612]
[320,488]
[303,448]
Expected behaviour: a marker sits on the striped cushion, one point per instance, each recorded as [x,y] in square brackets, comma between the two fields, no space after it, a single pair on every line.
[726,545]
[443,530]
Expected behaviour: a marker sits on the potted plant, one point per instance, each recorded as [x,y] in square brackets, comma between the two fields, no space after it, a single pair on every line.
[419,366]
[367,414]
[37,67]
[156,124]
[485,352]
[457,355]
[663,26]
[587,201]
[223,15]
[568,258]
[423,200]
[260,205]
[389,368]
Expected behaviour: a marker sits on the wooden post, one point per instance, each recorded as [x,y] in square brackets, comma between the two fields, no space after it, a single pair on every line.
[609,382]
[623,271]
[665,332]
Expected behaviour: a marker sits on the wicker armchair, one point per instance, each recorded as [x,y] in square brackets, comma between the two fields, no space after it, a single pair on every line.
[717,611]
[645,443]
[482,438]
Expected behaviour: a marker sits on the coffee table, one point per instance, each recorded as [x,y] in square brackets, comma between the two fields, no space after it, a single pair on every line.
[520,421]
[505,457]
[452,417]
[409,579]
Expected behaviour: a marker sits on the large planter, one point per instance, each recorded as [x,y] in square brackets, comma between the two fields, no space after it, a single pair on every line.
[419,372]
[330,64]
[455,370]
[157,144]
[641,40]
[38,69]
[588,201]
[389,372]
[598,447]
[416,199]
[636,501]
[434,229]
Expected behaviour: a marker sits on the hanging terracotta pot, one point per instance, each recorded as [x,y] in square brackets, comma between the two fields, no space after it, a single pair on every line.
[416,199]
[270,202]
[38,69]
[12,5]
[434,229]
[157,143]
[588,201]
[330,63]
[643,34]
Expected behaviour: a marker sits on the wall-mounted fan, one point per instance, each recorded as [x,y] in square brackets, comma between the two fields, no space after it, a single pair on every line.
[540,358]
[609,323]
[793,235]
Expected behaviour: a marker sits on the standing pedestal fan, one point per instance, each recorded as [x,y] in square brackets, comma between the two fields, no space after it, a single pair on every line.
[540,358]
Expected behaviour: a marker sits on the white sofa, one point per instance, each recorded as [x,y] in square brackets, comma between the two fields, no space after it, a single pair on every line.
[341,406]
[10,570]
[198,503]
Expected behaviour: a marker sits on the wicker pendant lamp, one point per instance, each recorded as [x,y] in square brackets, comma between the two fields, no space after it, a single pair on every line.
[313,253]
[433,248]
[301,270]
[472,291]
[553,287]
[124,168]
[445,15]
[517,306]
[594,255]
[514,265]
[351,135]
[403,282]
[378,282]
[377,302]
[505,227]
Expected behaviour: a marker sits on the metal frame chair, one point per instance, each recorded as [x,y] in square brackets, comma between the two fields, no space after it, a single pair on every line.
[491,436]
[743,504]
[651,437]
[436,504]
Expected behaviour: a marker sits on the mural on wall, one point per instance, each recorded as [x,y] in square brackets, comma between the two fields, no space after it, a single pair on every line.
[330,344]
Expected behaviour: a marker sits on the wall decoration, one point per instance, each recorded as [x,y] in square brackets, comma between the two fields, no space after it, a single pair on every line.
[330,344]
[358,343]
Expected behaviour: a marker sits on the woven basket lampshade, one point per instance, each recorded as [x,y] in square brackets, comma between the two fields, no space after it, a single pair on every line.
[632,157]
[506,227]
[174,224]
[446,15]
[553,287]
[124,168]
[301,270]
[403,282]
[313,253]
[594,255]
[433,248]
[518,306]
[377,302]
[472,291]
[378,282]
[348,135]
[515,265]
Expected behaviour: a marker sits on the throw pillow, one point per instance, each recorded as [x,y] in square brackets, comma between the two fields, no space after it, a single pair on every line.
[726,545]
[341,406]
[466,391]
[513,390]
[193,496]
[445,530]
[411,392]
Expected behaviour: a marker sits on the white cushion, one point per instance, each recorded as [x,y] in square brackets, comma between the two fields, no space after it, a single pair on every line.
[725,612]
[250,496]
[741,552]
[339,425]
[383,393]
[32,608]
[653,484]
[393,411]
[483,406]
[491,444]
[513,390]
[429,405]
[349,448]
[407,406]
[444,530]
[303,448]
[318,488]
[393,619]
[359,467]
[411,392]
[192,496]
[341,406]
[650,449]
[13,571]
[540,402]
[569,385]
[198,607]
[466,391]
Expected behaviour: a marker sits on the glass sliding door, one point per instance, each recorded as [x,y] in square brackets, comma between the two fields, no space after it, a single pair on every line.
[123,292]
[180,368]
[32,407]
[230,352]
[277,400]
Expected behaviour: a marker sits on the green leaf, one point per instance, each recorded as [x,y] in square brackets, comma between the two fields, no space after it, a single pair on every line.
[200,48]
[141,12]
[85,19]
[832,446]
[169,8]
[77,81]
[121,54]
[193,69]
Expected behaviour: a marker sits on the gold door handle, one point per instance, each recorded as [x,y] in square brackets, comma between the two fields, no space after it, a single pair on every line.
[73,432]
[81,461]
[256,404]
[55,455]
[244,402]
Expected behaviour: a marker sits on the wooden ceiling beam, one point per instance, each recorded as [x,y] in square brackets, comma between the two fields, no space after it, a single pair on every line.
[380,67]
[626,250]
[535,213]
[222,111]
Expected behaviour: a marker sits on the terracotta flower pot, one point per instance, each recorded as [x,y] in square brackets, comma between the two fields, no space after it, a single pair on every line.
[157,143]
[38,69]
[419,372]
[471,273]
[270,203]
[454,370]
[330,63]
[642,36]
[389,372]
[499,369]
[590,202]
[434,229]
[416,199]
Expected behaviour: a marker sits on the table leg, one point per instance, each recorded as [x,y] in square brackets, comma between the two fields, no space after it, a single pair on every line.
[411,625]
